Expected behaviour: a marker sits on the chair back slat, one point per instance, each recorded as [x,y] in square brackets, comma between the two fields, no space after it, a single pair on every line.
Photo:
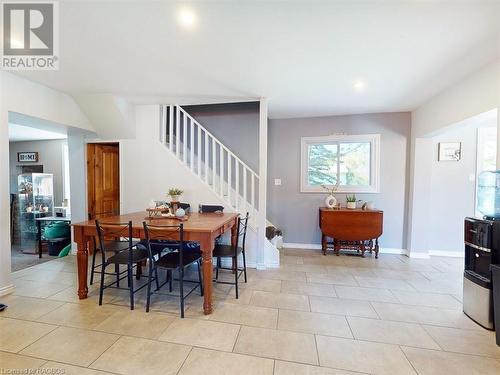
[166,233]
[119,231]
[242,229]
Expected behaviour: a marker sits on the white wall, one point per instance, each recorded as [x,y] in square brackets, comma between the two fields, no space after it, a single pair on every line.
[29,98]
[476,94]
[452,194]
[148,170]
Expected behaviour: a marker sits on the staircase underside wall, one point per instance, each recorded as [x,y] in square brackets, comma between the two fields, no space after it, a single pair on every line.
[148,170]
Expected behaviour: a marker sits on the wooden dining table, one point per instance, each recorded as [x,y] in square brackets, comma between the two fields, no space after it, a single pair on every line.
[200,227]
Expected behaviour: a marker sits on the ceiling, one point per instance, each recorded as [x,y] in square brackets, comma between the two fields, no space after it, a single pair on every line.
[19,133]
[28,128]
[303,55]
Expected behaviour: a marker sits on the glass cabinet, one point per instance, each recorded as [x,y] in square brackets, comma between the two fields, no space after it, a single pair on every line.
[36,199]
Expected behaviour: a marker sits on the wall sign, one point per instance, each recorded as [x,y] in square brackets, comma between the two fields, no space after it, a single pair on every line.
[449,151]
[24,157]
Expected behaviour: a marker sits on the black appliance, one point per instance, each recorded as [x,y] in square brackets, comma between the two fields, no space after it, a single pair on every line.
[482,248]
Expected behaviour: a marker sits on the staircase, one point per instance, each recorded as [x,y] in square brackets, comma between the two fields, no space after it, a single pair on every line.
[219,168]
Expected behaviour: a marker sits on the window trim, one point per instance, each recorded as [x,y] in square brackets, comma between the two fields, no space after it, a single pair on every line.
[374,139]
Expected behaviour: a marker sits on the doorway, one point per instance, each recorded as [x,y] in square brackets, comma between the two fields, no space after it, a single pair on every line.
[103,179]
[37,175]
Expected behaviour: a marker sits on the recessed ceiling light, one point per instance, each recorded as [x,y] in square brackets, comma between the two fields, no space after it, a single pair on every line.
[358,85]
[186,17]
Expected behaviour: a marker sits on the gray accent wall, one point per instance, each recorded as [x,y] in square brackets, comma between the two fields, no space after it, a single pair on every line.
[236,125]
[50,156]
[296,213]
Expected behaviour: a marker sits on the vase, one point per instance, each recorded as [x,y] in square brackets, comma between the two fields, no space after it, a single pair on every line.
[175,198]
[351,205]
[330,201]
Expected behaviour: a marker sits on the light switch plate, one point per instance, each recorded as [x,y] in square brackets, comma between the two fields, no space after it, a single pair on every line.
[277,181]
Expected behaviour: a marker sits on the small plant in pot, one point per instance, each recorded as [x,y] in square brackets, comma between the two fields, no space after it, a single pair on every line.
[351,201]
[175,194]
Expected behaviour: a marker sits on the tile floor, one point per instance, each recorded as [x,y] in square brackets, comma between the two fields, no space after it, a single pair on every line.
[314,315]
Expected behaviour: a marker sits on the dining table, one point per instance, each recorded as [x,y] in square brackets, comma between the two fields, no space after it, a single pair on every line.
[203,228]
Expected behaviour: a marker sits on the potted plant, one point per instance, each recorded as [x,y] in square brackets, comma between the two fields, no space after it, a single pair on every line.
[351,201]
[330,200]
[175,194]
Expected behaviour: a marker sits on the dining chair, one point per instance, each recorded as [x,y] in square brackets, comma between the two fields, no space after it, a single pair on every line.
[124,252]
[96,249]
[222,251]
[177,259]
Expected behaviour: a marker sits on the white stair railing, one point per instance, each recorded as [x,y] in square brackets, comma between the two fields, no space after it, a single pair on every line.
[217,166]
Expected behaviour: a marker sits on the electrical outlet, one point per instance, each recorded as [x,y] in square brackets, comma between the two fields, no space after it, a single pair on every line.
[277,182]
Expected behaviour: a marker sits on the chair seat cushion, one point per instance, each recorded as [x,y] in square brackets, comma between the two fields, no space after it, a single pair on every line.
[171,260]
[122,257]
[157,246]
[225,251]
[116,246]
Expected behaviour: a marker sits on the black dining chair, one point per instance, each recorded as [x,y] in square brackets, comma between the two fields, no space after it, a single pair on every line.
[124,252]
[177,259]
[233,251]
[95,249]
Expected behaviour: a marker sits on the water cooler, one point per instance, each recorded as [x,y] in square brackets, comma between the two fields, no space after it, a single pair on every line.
[482,249]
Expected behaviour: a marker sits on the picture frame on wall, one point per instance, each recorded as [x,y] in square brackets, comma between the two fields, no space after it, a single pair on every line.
[27,157]
[449,151]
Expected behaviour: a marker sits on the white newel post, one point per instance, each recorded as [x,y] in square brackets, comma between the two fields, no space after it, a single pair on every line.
[261,215]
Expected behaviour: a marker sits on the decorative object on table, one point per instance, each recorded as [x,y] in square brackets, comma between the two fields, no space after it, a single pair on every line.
[152,204]
[27,157]
[351,201]
[180,213]
[368,206]
[210,208]
[175,195]
[330,200]
[449,151]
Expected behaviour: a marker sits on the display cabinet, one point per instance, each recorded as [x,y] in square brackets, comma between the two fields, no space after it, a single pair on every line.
[36,199]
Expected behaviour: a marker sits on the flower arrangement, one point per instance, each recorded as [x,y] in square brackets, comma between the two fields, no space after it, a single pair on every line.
[174,194]
[351,198]
[331,189]
[351,201]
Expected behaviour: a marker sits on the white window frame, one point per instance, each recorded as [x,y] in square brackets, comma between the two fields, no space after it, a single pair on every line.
[374,139]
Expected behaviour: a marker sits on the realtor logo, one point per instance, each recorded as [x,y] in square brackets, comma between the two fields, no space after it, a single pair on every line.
[30,35]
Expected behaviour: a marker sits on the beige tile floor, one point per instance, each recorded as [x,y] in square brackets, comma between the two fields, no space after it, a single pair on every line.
[316,315]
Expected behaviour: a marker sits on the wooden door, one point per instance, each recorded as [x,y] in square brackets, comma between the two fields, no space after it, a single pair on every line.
[103,179]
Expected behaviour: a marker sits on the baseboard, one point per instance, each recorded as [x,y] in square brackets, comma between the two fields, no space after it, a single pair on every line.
[446,253]
[419,255]
[311,246]
[7,290]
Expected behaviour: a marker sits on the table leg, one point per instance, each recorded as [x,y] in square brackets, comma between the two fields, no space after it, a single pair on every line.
[323,244]
[207,249]
[82,258]
[39,229]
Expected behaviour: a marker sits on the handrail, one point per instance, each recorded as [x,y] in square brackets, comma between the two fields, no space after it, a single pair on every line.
[184,136]
[219,142]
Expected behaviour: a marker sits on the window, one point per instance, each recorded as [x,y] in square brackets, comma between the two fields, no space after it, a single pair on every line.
[351,161]
[486,158]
